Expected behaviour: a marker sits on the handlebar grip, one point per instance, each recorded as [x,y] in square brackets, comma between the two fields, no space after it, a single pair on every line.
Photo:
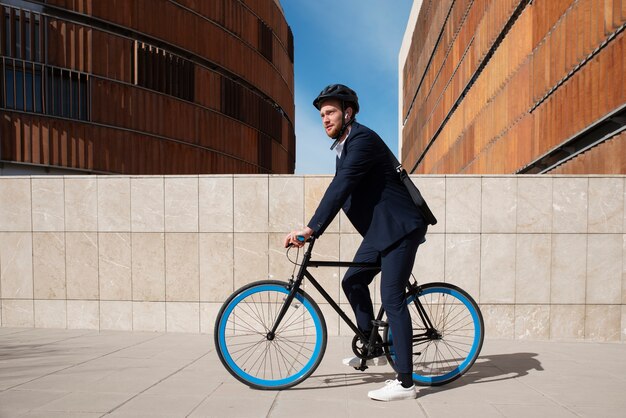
[300,238]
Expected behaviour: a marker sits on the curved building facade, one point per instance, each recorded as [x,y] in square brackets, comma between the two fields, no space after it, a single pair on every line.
[146,87]
[514,86]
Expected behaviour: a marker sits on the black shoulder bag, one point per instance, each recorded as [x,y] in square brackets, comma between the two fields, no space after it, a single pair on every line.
[414,192]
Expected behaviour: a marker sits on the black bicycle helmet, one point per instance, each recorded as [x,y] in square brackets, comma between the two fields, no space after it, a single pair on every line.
[340,92]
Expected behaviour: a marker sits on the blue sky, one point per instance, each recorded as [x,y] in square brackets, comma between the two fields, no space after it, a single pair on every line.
[353,42]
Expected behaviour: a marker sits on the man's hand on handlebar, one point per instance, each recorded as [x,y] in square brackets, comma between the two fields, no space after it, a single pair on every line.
[295,238]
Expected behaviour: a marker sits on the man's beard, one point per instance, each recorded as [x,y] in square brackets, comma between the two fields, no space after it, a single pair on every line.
[332,134]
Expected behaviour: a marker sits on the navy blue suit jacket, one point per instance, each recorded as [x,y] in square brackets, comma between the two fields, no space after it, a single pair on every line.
[370,192]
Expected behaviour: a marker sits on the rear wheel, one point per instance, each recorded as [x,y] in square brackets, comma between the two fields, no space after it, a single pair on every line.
[445,351]
[258,359]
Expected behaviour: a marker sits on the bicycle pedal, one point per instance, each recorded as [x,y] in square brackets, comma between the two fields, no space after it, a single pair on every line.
[379,323]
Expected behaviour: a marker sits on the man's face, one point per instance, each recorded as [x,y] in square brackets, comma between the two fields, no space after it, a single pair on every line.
[330,111]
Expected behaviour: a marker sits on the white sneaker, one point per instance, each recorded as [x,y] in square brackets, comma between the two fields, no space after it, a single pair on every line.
[356,362]
[393,391]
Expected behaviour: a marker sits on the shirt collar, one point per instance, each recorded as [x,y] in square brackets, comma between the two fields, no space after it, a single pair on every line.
[339,146]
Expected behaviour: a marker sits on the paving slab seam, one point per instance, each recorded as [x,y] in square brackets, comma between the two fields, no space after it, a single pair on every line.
[200,403]
[161,380]
[421,406]
[77,364]
[269,411]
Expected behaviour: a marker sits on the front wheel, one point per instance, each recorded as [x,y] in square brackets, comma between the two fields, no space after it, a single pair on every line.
[448,333]
[282,360]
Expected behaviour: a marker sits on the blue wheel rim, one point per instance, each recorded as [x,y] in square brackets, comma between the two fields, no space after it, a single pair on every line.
[433,380]
[256,380]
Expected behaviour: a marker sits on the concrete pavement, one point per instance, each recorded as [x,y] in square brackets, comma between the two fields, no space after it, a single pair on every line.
[76,373]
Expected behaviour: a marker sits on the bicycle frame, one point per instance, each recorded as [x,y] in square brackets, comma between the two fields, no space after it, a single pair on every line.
[303,272]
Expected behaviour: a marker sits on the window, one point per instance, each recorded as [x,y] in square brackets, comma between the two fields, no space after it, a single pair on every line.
[67,94]
[160,70]
[266,39]
[25,86]
[20,30]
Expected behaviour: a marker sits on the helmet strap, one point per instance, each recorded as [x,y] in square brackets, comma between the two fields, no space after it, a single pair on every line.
[344,126]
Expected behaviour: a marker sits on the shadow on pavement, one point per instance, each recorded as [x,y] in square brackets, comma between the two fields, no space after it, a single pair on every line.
[489,368]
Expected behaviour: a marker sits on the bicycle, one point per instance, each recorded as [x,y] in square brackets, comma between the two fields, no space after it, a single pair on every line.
[272,335]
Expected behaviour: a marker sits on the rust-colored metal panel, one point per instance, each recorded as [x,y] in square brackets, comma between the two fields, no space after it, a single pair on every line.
[533,93]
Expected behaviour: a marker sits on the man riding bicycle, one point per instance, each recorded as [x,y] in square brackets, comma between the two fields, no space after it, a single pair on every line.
[368,189]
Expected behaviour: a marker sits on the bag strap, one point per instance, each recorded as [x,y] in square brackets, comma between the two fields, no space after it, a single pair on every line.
[414,192]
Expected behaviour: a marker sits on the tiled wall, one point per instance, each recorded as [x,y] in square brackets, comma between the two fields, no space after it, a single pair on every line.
[544,255]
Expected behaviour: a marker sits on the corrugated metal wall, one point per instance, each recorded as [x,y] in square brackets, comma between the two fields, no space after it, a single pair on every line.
[492,85]
[146,120]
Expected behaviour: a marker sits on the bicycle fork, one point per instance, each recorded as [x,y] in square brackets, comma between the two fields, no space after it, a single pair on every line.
[294,286]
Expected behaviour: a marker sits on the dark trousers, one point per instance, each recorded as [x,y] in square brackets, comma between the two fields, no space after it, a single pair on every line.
[396,265]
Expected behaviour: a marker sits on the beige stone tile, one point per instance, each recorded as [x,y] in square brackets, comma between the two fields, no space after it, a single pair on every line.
[17,313]
[251,258]
[149,316]
[280,268]
[147,204]
[148,266]
[49,265]
[463,204]
[499,321]
[50,313]
[331,317]
[463,262]
[499,204]
[532,322]
[569,205]
[215,196]
[567,322]
[114,204]
[532,268]
[83,314]
[624,270]
[348,246]
[183,316]
[604,268]
[15,204]
[181,204]
[48,204]
[114,266]
[603,322]
[251,204]
[326,249]
[16,265]
[345,226]
[81,261]
[433,190]
[81,204]
[182,275]
[344,329]
[208,316]
[534,204]
[623,328]
[606,204]
[116,315]
[497,268]
[286,203]
[430,259]
[314,189]
[216,266]
[569,257]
